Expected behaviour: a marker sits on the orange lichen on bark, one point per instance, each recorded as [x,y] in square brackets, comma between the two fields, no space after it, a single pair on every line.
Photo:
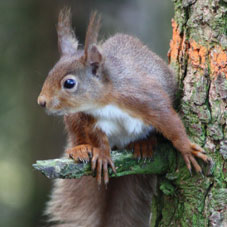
[218,61]
[197,54]
[175,43]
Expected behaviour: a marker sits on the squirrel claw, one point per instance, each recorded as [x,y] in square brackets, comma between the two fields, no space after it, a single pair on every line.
[201,173]
[80,153]
[143,148]
[189,158]
[190,171]
[100,161]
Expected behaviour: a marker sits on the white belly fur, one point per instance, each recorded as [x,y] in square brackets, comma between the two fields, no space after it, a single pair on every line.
[119,126]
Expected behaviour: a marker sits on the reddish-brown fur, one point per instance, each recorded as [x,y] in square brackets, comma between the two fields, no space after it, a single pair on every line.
[92,141]
[124,75]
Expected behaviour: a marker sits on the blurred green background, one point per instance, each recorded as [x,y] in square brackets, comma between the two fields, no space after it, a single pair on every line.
[28,47]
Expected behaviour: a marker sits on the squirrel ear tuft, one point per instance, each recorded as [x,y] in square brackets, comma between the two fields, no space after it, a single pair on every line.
[67,41]
[92,32]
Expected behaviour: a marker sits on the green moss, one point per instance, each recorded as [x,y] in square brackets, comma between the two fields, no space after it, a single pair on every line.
[167,188]
[216,110]
[194,122]
[180,15]
[168,212]
[215,131]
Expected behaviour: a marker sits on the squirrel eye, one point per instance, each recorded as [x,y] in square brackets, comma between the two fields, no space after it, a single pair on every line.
[69,83]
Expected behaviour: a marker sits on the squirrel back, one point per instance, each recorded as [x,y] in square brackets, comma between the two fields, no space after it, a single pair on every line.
[131,57]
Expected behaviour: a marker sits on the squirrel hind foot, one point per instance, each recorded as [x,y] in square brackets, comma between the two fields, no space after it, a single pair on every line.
[189,158]
[143,149]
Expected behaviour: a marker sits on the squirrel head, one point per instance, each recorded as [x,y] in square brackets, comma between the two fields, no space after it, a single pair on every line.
[77,82]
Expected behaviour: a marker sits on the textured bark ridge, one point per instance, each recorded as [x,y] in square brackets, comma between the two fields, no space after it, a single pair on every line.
[198,53]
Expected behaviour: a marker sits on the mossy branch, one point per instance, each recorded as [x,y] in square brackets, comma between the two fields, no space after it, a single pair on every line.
[124,162]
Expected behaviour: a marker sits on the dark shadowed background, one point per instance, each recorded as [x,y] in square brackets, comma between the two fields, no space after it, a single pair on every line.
[28,47]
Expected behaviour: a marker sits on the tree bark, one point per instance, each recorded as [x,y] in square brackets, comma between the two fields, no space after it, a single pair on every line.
[198,53]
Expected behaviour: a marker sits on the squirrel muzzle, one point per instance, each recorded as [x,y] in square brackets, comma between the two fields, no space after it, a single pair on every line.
[42,101]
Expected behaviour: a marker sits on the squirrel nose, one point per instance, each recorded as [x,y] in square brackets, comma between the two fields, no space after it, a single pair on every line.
[42,101]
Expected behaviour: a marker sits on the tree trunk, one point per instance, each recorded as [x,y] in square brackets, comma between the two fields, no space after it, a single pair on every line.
[198,53]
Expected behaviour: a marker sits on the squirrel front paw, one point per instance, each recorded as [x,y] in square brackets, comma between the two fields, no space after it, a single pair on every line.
[197,151]
[80,153]
[100,161]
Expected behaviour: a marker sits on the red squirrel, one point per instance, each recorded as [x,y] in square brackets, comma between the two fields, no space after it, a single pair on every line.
[112,94]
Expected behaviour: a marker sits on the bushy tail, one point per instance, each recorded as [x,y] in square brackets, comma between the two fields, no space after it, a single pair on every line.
[79,202]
